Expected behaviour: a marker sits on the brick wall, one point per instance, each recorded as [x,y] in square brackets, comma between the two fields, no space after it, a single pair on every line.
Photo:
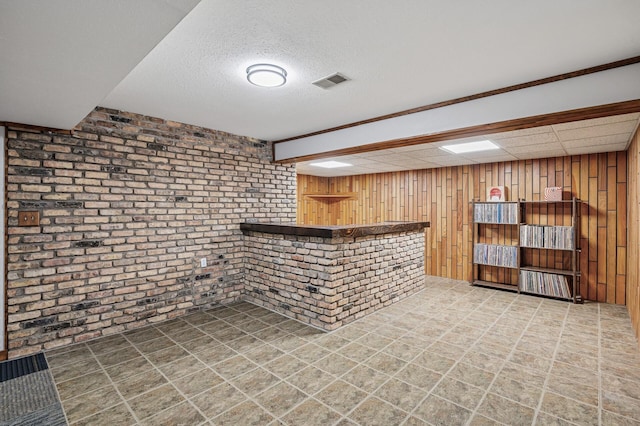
[129,205]
[330,282]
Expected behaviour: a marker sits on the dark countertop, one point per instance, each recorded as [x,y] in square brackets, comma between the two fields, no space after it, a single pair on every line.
[334,231]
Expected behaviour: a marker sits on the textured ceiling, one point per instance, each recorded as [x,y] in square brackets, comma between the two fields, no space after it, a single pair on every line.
[61,58]
[398,55]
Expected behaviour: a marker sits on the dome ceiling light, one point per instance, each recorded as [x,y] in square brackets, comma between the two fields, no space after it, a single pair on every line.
[266,75]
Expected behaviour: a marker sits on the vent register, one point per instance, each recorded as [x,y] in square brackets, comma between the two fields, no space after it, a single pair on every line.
[330,81]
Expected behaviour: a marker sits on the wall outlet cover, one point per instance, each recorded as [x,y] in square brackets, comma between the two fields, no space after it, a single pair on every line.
[203,262]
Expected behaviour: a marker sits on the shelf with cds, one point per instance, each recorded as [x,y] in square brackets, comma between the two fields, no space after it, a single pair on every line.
[496,255]
[528,247]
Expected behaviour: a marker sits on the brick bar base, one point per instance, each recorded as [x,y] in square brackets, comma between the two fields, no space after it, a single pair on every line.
[329,282]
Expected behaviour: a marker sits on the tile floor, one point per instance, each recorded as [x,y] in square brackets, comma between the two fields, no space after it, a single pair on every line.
[451,354]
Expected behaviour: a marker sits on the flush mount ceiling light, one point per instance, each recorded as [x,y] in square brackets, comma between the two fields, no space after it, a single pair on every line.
[266,75]
[463,148]
[330,164]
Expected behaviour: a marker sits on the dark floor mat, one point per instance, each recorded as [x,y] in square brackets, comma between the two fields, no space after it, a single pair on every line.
[15,368]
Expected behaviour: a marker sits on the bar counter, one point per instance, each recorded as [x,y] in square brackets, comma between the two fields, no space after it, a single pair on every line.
[328,276]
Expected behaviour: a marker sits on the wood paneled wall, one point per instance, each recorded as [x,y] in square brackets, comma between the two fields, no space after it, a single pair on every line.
[633,224]
[442,197]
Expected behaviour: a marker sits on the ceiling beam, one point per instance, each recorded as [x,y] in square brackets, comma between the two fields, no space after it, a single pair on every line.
[608,89]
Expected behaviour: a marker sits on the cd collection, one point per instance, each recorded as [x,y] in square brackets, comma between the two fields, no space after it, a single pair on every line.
[551,237]
[496,213]
[546,284]
[496,255]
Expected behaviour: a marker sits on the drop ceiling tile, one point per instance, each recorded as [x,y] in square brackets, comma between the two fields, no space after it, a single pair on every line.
[603,130]
[595,142]
[451,160]
[539,138]
[521,133]
[540,149]
[579,150]
[597,121]
[537,154]
[493,158]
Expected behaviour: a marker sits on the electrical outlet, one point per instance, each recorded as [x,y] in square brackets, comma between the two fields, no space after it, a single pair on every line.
[203,262]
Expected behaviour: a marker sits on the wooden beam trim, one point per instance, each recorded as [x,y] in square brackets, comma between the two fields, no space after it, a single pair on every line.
[484,129]
[559,77]
[32,128]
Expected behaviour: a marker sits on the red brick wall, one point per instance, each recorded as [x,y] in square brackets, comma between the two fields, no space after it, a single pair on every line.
[129,205]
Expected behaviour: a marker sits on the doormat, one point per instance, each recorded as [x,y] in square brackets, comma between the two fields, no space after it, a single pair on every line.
[28,393]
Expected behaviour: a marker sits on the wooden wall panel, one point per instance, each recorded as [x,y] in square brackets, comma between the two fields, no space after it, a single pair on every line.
[442,196]
[633,235]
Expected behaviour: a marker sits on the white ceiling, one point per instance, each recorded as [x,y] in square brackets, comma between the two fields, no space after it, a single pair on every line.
[61,58]
[608,134]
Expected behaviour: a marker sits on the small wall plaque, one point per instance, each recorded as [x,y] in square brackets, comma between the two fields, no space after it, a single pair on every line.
[496,193]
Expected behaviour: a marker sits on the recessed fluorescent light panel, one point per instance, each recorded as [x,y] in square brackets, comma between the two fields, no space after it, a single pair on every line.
[330,164]
[463,148]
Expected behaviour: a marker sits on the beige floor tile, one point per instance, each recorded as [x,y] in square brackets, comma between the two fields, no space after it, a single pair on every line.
[505,411]
[311,413]
[375,412]
[460,393]
[341,396]
[419,377]
[611,419]
[522,392]
[621,386]
[264,354]
[403,351]
[255,381]
[386,364]
[134,367]
[117,415]
[197,382]
[280,398]
[75,369]
[154,401]
[126,354]
[234,366]
[218,399]
[153,345]
[167,356]
[572,389]
[311,379]
[141,383]
[182,367]
[77,353]
[91,403]
[107,344]
[365,378]
[335,364]
[400,394]
[247,413]
[182,414]
[622,405]
[568,409]
[143,334]
[285,366]
[310,352]
[472,375]
[435,362]
[440,412]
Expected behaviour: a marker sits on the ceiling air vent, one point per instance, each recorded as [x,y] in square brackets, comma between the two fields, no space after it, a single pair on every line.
[330,81]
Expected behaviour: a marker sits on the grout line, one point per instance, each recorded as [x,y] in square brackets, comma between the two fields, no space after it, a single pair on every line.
[548,375]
